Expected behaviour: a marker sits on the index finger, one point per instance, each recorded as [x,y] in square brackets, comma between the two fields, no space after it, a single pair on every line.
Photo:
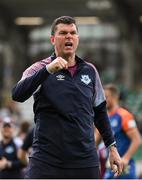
[64,62]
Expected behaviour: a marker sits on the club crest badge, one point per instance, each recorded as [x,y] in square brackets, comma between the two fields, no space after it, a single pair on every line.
[85,79]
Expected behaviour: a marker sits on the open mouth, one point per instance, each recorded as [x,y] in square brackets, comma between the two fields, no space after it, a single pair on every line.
[68,44]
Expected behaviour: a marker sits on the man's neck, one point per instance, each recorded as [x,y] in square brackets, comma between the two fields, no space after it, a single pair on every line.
[71,61]
[6,140]
[113,109]
[69,58]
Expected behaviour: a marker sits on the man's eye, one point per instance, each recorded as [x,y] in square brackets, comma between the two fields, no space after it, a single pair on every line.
[74,32]
[63,33]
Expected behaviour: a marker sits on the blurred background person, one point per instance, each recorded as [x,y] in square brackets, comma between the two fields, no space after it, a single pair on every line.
[126,133]
[10,165]
[22,131]
[26,148]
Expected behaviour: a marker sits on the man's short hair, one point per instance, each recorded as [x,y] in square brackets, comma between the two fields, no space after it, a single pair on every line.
[113,89]
[7,124]
[62,20]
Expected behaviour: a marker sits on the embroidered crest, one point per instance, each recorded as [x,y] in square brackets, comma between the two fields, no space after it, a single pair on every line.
[60,77]
[85,79]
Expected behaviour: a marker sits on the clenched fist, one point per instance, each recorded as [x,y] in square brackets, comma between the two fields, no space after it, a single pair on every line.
[56,65]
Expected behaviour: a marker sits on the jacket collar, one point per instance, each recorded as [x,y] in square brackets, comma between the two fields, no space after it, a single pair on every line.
[77,58]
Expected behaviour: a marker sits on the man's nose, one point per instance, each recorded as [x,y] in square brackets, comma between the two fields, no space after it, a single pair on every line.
[68,35]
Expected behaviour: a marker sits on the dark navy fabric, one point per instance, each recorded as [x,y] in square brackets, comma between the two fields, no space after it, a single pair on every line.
[28,140]
[65,108]
[40,170]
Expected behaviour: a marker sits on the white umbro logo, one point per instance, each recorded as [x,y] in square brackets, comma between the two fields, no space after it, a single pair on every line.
[60,77]
[86,79]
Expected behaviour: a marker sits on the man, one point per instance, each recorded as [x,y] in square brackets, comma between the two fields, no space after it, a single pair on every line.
[68,99]
[10,165]
[125,130]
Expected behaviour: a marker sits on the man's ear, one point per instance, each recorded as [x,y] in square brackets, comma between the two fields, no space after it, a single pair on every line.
[52,40]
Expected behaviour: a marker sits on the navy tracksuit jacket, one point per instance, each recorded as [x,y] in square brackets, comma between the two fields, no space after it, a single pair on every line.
[66,109]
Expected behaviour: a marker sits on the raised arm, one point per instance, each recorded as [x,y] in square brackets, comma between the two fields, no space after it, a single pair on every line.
[28,85]
[34,76]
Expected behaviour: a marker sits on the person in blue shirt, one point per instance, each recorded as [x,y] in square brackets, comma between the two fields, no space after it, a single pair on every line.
[126,133]
[68,101]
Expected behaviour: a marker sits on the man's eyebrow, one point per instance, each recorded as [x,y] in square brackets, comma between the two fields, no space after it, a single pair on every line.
[72,31]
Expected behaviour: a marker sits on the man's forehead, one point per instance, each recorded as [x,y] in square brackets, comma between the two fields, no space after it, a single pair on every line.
[62,26]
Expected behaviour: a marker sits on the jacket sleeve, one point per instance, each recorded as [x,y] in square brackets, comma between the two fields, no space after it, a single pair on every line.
[16,164]
[103,125]
[29,84]
[101,121]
